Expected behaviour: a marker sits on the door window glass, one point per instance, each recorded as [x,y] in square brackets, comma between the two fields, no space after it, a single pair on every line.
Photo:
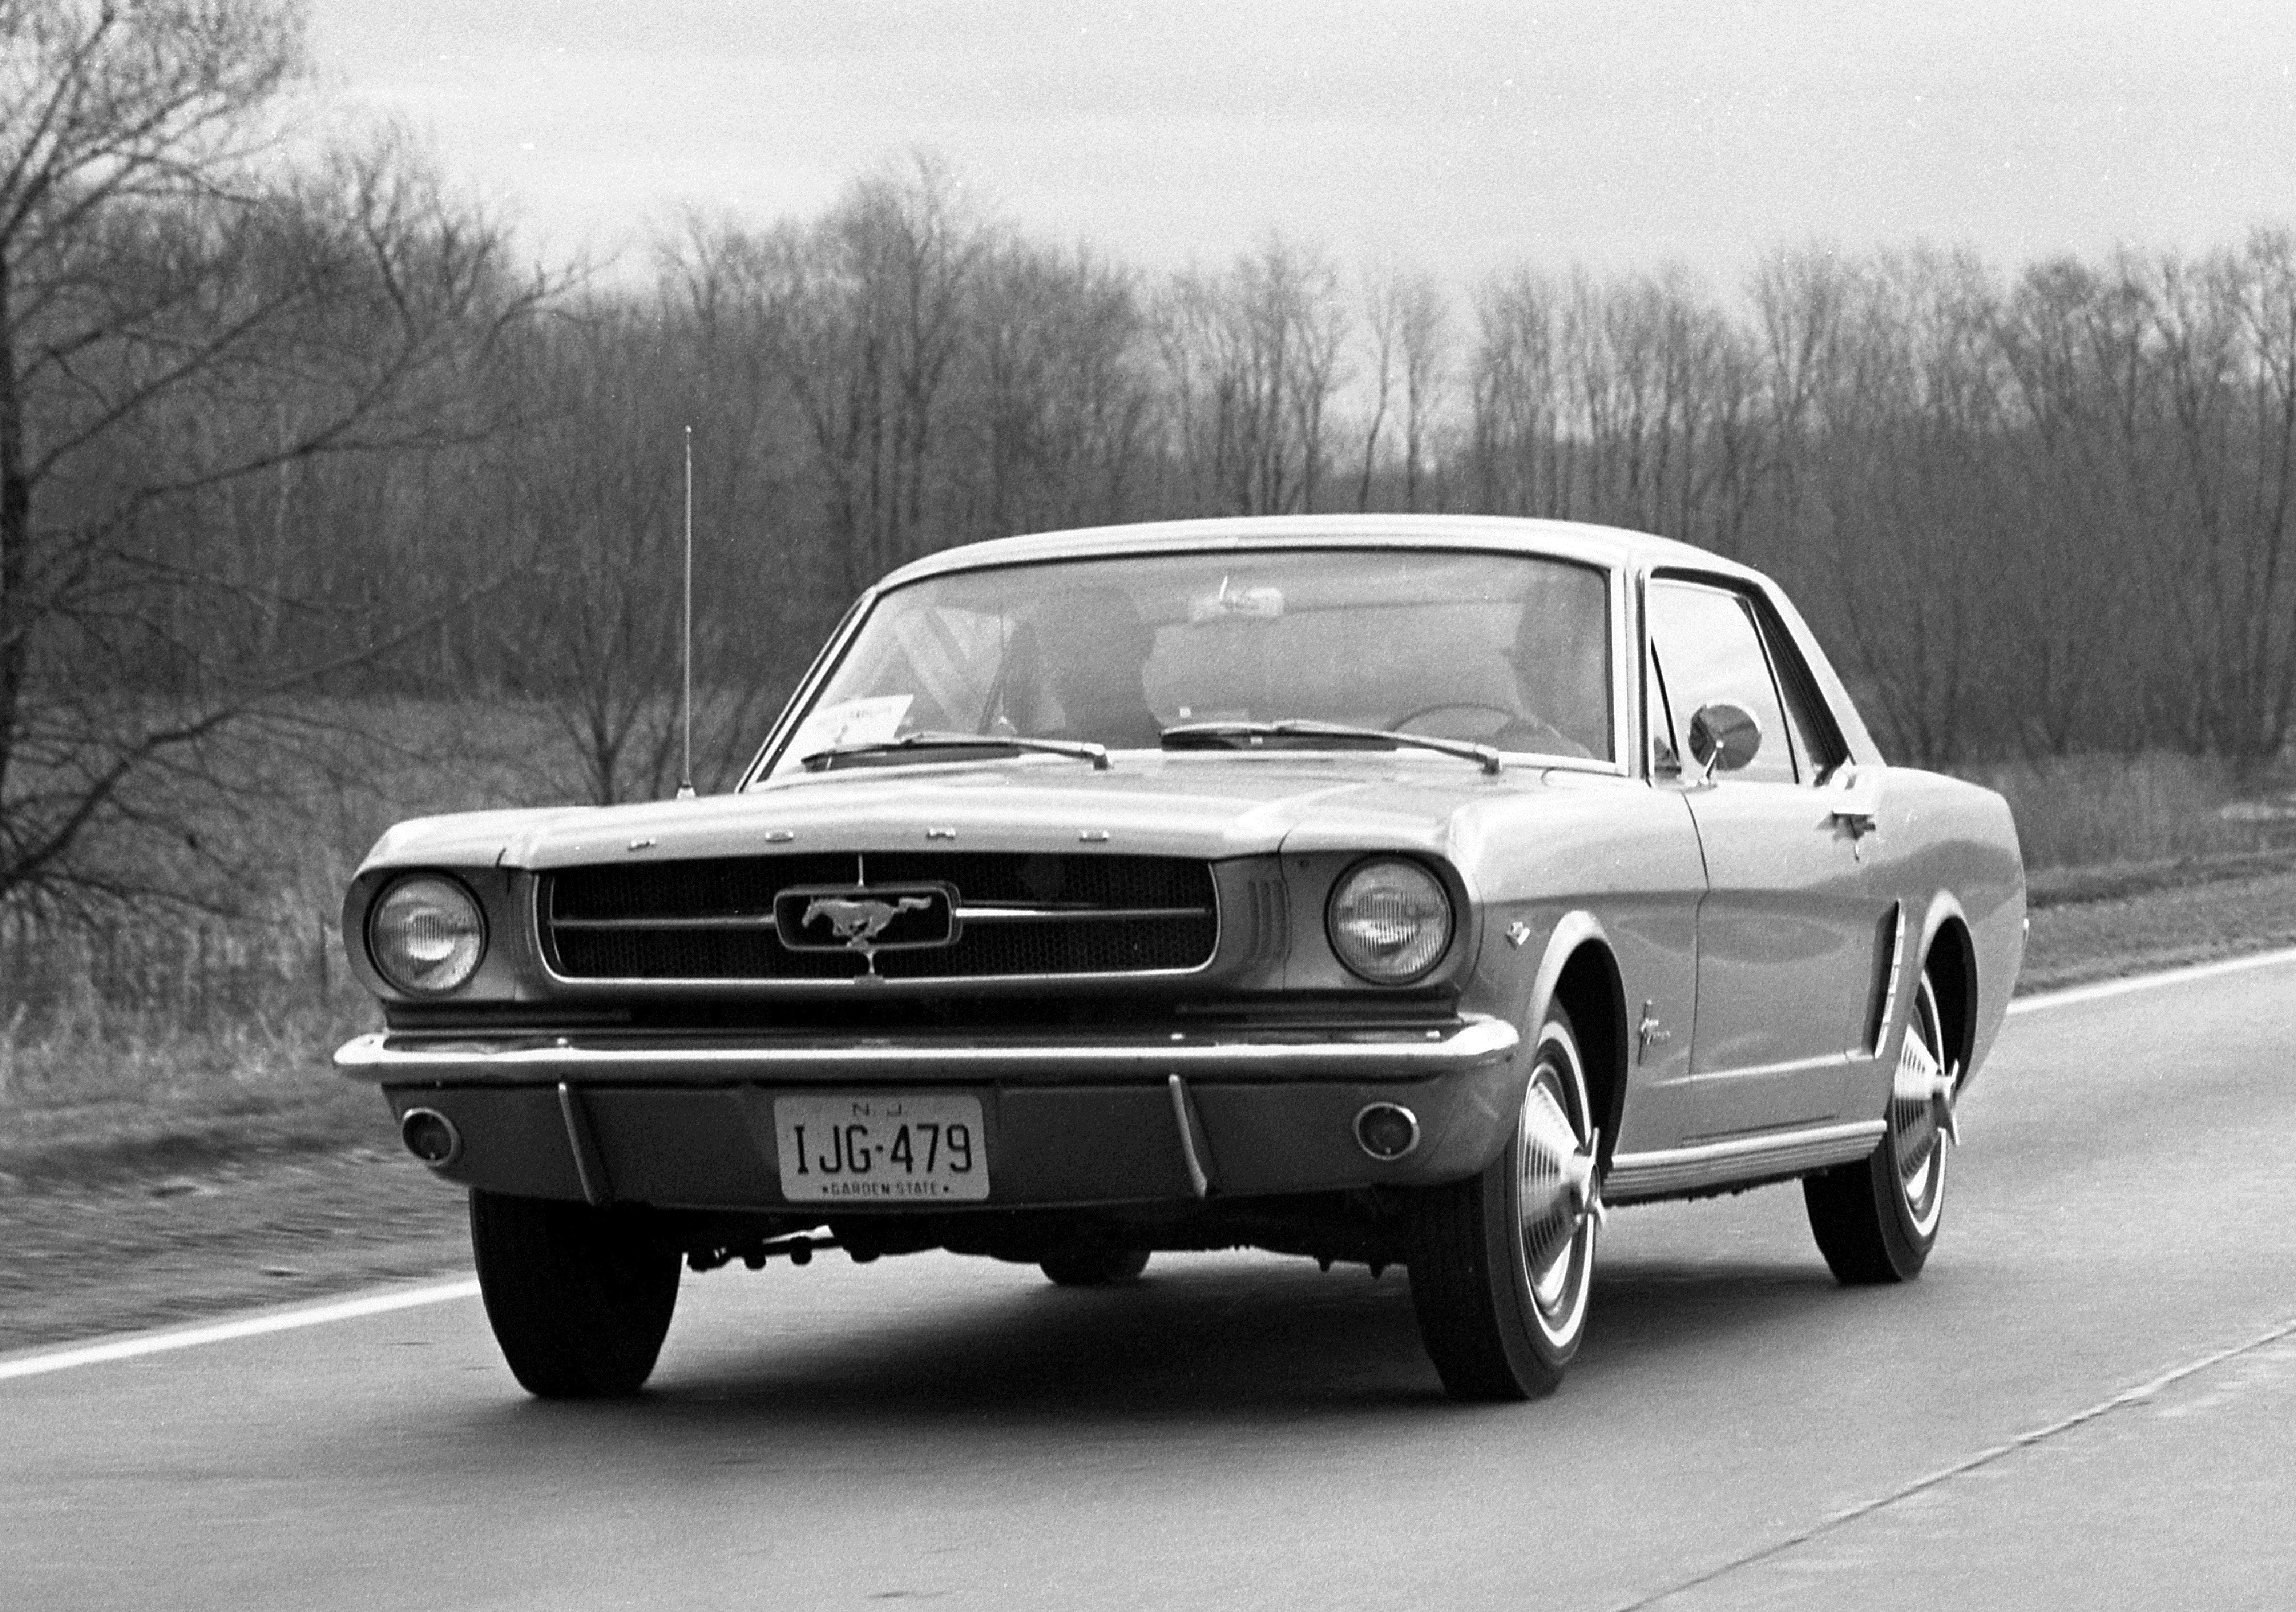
[1712,651]
[1814,754]
[1805,753]
[1665,744]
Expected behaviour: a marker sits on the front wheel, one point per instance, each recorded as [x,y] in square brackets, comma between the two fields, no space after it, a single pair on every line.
[1876,1221]
[580,1298]
[1501,1262]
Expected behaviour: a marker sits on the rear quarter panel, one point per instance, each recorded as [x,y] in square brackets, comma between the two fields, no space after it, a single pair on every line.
[1948,851]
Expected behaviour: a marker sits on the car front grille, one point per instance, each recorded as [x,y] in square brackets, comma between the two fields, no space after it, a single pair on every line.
[1018,916]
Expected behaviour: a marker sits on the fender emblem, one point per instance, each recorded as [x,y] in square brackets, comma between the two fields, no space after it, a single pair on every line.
[1647,1035]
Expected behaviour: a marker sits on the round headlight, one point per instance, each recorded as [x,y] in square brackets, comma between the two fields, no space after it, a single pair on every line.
[427,935]
[1389,921]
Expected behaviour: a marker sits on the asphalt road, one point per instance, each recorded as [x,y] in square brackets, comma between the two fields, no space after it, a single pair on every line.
[2088,1400]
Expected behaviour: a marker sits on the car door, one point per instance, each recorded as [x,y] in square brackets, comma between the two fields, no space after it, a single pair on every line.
[1786,927]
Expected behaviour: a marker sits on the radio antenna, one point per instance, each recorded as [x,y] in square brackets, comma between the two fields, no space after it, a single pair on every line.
[685,652]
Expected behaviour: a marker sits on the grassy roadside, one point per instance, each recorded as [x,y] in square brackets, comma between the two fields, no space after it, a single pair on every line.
[2134,918]
[229,1172]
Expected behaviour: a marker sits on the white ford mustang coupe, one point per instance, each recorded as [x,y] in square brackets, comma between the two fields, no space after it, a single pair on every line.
[1381,888]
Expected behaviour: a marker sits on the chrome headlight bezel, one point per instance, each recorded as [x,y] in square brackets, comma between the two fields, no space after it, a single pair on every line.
[1419,897]
[469,949]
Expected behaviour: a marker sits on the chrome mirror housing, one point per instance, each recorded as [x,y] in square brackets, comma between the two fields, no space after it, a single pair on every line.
[1723,738]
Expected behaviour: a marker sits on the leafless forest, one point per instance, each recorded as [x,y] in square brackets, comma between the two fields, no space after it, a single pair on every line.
[288,434]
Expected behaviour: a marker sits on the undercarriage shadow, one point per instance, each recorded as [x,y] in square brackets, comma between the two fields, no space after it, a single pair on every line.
[1267,1341]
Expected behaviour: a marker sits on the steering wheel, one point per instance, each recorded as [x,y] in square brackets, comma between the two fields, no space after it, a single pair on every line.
[1499,711]
[1544,735]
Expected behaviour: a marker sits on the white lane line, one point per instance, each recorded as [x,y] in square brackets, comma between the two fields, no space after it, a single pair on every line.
[253,1326]
[2146,982]
[2121,1401]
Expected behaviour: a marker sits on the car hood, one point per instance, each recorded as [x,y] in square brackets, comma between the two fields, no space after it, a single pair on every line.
[1211,806]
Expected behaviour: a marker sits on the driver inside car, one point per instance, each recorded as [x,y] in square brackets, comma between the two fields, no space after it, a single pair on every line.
[1090,650]
[1561,676]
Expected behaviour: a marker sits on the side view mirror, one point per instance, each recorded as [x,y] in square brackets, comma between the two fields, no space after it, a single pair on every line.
[1723,738]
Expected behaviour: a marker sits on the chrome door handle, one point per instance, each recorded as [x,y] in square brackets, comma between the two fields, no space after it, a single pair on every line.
[1854,799]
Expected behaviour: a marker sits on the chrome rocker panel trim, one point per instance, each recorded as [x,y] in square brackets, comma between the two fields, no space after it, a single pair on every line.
[528,1058]
[1675,1172]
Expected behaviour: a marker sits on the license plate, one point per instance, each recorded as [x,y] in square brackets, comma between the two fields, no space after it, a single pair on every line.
[882,1150]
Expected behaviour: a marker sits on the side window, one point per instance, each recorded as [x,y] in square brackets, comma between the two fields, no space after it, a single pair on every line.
[1665,745]
[1818,747]
[1805,752]
[1711,650]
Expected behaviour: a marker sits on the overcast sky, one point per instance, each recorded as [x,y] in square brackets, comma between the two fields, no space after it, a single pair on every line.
[1464,138]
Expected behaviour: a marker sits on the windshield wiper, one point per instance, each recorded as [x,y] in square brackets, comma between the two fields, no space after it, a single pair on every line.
[1194,735]
[822,761]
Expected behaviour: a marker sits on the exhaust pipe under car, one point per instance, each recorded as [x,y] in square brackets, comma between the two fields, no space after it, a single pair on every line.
[430,1136]
[1387,1131]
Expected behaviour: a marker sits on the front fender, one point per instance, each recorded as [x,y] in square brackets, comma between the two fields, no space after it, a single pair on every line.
[1505,984]
[1575,929]
[1522,996]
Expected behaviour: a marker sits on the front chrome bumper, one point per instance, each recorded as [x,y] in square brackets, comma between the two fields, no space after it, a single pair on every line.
[606,1056]
[688,1122]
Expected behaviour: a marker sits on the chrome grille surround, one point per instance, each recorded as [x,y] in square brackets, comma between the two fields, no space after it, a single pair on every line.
[709,923]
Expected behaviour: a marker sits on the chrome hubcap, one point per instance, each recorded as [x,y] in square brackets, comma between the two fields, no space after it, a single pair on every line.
[1555,1191]
[1921,1111]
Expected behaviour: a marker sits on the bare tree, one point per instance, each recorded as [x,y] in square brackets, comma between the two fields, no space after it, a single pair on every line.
[2078,345]
[862,317]
[1802,305]
[1646,360]
[1252,361]
[1518,447]
[2226,332]
[1424,332]
[1406,342]
[1052,394]
[174,321]
[2262,283]
[1630,401]
[1382,299]
[593,494]
[1901,450]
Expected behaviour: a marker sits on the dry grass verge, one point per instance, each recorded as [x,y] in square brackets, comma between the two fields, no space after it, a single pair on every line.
[127,1250]
[81,1104]
[2097,923]
[2090,812]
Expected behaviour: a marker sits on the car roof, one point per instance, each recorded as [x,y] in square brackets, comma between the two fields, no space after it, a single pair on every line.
[1612,547]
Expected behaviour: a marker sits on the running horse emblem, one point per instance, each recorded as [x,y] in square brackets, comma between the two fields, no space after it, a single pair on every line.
[858,920]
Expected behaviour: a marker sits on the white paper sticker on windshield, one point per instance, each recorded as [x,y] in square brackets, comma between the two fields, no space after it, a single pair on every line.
[870,721]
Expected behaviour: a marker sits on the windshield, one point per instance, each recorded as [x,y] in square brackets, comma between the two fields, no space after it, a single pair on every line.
[1503,649]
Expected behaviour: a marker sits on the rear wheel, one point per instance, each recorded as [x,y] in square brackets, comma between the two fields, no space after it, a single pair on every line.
[1501,1262]
[1105,1268]
[580,1298]
[1876,1219]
